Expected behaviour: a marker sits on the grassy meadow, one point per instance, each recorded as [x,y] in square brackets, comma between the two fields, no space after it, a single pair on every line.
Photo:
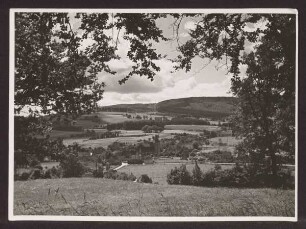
[103,197]
[192,127]
[130,137]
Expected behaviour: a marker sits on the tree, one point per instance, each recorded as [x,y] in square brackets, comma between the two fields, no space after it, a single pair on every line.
[266,94]
[195,145]
[71,165]
[179,176]
[56,73]
[196,177]
[145,128]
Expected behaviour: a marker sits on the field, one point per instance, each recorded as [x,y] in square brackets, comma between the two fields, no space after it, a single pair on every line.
[130,137]
[192,127]
[158,172]
[230,141]
[102,197]
[112,117]
[63,134]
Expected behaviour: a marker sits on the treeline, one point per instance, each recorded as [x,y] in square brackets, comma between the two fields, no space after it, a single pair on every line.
[138,125]
[67,128]
[247,176]
[216,115]
[132,125]
[187,121]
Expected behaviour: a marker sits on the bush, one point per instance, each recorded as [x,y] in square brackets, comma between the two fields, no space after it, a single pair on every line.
[24,176]
[53,173]
[71,166]
[111,174]
[144,178]
[56,172]
[122,176]
[132,177]
[196,177]
[179,176]
[34,162]
[114,161]
[135,161]
[98,172]
[173,176]
[248,176]
[47,174]
[36,174]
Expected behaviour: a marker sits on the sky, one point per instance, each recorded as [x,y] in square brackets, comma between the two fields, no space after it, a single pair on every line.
[203,79]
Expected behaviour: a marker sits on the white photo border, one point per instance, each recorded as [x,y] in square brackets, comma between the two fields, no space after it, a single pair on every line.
[13,217]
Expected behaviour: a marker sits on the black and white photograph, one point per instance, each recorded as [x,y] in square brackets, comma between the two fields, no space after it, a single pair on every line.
[153,114]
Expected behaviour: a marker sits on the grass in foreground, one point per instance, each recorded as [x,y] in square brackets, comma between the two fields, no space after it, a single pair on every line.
[94,196]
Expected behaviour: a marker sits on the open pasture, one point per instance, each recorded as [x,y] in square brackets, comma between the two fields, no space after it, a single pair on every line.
[192,127]
[105,142]
[103,197]
[112,117]
[129,137]
[230,141]
[63,134]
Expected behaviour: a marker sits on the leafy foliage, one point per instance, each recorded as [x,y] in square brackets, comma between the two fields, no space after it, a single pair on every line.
[71,165]
[56,72]
[248,176]
[179,176]
[266,95]
[144,178]
[98,172]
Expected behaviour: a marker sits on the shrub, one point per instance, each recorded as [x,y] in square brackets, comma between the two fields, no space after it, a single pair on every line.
[34,163]
[179,176]
[47,174]
[53,173]
[114,161]
[135,161]
[98,172]
[196,177]
[144,178]
[122,176]
[56,172]
[24,176]
[71,166]
[110,174]
[132,177]
[36,174]
[173,176]
[113,174]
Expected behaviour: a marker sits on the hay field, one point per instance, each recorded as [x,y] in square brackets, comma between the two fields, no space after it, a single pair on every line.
[103,197]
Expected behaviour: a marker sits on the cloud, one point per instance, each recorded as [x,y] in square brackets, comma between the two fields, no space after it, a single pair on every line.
[190,25]
[184,35]
[137,84]
[184,88]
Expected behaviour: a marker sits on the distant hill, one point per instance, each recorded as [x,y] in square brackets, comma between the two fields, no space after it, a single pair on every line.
[136,107]
[198,106]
